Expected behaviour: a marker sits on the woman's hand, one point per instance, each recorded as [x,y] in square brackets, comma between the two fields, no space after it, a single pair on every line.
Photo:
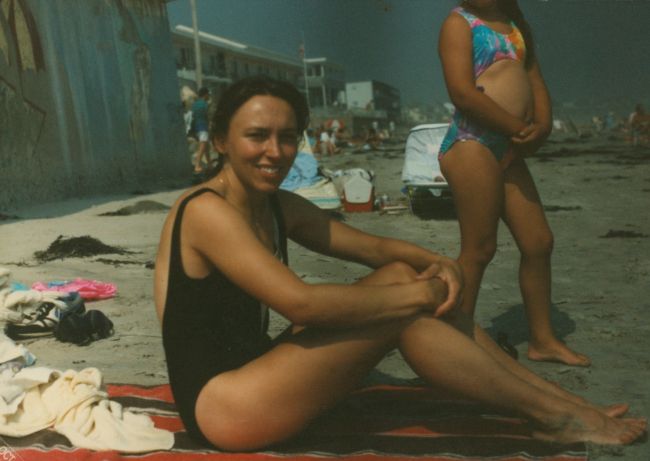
[449,271]
[530,139]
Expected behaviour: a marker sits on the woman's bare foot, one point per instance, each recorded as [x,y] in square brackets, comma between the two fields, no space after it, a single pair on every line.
[588,425]
[615,411]
[557,351]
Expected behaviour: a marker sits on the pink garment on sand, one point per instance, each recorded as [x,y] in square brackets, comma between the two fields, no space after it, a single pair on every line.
[89,290]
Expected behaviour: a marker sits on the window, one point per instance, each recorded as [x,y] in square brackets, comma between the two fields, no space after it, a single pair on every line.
[221,64]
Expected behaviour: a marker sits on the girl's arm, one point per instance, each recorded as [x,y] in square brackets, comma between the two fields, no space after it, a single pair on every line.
[455,50]
[217,233]
[534,135]
[314,229]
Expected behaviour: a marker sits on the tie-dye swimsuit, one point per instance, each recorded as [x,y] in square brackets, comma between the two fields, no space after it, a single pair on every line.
[488,47]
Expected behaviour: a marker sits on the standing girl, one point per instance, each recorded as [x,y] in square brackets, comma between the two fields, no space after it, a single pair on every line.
[503,114]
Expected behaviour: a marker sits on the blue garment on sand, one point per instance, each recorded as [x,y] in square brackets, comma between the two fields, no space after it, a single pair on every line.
[303,172]
[200,115]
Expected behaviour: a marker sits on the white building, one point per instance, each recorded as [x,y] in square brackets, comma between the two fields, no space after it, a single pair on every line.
[224,61]
[373,95]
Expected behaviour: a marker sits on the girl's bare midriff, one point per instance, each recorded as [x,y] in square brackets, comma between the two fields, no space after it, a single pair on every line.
[506,83]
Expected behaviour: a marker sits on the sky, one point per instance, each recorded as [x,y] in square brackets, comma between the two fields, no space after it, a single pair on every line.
[590,51]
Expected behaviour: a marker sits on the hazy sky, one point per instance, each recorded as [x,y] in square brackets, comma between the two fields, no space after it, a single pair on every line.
[588,49]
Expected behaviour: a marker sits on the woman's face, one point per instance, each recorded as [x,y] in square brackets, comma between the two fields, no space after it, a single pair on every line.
[262,142]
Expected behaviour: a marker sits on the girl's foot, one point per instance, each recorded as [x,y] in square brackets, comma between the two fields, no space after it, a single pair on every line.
[557,351]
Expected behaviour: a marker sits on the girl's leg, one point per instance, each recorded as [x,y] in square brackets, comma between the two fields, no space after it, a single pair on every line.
[276,395]
[524,215]
[476,182]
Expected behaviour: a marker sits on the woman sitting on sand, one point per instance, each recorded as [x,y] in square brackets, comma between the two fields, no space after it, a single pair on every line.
[220,264]
[502,115]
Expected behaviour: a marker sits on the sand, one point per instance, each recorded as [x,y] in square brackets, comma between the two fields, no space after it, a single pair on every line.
[597,194]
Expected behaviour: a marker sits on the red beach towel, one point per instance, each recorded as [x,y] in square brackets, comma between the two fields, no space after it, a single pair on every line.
[379,423]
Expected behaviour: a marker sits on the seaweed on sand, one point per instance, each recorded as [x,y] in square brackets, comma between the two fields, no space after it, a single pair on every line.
[76,247]
[143,206]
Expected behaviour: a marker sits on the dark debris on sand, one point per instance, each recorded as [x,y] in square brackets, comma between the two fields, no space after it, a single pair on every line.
[144,206]
[623,234]
[552,208]
[6,217]
[76,247]
[122,262]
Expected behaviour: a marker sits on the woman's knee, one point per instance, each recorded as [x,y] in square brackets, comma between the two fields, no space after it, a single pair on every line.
[393,272]
[402,271]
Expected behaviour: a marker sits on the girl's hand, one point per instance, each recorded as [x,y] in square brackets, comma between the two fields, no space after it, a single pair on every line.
[449,271]
[530,139]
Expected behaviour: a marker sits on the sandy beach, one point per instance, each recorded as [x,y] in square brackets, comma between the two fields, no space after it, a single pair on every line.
[596,192]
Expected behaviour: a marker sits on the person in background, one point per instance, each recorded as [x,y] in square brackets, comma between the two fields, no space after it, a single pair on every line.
[200,125]
[326,145]
[502,115]
[222,264]
[639,124]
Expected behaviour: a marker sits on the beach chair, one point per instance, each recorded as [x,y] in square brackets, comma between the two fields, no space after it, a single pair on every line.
[427,190]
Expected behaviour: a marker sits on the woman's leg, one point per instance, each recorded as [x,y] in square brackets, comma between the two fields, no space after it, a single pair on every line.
[446,358]
[485,342]
[278,394]
[476,182]
[524,215]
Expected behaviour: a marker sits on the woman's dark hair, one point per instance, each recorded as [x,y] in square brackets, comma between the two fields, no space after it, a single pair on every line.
[241,91]
[511,9]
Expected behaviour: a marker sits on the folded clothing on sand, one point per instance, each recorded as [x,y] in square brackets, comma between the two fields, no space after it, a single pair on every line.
[89,290]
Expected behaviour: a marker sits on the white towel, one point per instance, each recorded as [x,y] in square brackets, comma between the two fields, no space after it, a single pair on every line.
[73,404]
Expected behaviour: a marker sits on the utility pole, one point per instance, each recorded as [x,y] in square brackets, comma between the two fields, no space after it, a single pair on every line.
[197,46]
[303,54]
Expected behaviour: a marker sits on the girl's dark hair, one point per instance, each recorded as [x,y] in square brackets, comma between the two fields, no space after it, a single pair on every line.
[241,91]
[511,9]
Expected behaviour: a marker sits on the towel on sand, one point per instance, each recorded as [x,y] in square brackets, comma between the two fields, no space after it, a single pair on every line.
[72,404]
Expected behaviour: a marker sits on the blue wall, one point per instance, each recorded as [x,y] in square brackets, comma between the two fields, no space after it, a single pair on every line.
[89,99]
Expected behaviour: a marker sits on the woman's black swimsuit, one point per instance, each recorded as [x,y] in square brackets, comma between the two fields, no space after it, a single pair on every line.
[210,325]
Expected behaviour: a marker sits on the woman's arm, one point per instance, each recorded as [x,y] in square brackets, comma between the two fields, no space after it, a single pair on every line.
[218,234]
[455,51]
[314,229]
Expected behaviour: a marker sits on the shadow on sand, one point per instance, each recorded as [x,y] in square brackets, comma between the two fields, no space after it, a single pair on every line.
[514,323]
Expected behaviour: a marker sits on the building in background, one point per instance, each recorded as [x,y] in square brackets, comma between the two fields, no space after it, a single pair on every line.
[225,61]
[374,95]
[372,103]
[89,99]
[358,105]
[326,82]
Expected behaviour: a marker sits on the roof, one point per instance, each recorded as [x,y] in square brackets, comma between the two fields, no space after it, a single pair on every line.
[236,47]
